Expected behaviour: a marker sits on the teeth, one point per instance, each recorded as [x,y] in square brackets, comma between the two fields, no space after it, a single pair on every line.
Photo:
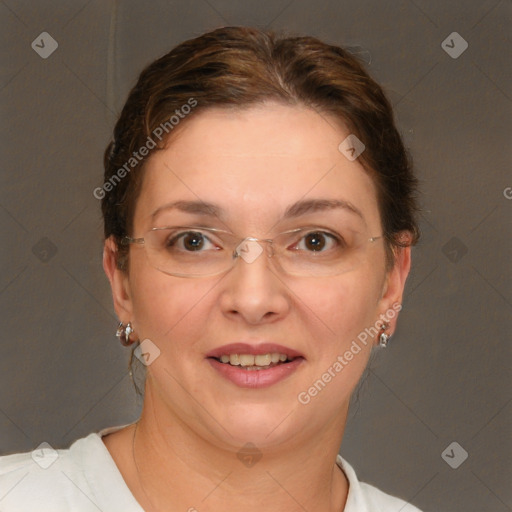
[263,360]
[246,360]
[249,360]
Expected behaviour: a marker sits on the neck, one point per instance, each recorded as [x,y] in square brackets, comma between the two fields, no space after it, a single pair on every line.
[176,466]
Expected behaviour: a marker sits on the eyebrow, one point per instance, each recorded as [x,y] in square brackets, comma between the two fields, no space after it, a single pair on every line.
[196,207]
[315,205]
[295,210]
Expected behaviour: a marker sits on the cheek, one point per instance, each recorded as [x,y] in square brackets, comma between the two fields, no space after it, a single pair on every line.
[338,317]
[170,311]
[344,305]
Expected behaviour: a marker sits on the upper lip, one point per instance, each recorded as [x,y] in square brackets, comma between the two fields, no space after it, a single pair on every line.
[259,349]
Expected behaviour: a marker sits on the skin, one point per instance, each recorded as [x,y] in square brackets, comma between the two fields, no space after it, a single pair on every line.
[253,164]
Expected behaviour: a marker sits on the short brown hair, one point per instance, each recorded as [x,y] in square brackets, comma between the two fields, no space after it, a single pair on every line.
[237,67]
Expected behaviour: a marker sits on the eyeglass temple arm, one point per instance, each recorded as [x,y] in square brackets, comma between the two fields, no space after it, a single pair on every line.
[129,240]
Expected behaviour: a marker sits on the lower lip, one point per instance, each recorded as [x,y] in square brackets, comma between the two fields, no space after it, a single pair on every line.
[255,378]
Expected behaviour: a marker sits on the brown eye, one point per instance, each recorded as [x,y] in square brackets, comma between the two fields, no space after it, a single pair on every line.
[314,241]
[181,240]
[188,241]
[193,241]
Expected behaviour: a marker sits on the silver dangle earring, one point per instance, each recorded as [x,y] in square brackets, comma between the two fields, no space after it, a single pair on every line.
[384,338]
[123,333]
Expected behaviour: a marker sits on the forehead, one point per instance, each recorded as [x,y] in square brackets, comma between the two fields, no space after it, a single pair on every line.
[254,163]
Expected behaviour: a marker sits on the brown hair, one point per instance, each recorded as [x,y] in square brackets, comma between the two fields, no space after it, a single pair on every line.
[236,67]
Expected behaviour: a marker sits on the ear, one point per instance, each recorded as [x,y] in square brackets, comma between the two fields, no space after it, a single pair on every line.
[118,282]
[393,289]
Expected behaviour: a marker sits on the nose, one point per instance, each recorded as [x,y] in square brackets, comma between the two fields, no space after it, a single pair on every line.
[253,292]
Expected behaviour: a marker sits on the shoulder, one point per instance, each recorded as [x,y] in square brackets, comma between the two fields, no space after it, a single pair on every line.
[31,479]
[82,478]
[363,497]
[46,479]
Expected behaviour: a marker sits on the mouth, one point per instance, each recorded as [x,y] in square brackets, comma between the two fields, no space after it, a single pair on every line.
[255,366]
[258,362]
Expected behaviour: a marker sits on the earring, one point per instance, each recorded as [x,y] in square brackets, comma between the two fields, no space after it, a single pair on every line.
[123,333]
[384,338]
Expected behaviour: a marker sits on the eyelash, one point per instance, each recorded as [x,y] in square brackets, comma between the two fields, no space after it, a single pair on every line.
[337,239]
[181,235]
[334,238]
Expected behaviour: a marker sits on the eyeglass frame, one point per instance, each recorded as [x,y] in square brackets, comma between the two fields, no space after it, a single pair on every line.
[127,240]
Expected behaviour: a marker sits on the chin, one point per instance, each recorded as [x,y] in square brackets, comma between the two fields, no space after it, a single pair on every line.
[263,425]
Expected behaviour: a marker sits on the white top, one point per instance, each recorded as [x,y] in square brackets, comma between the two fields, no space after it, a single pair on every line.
[85,478]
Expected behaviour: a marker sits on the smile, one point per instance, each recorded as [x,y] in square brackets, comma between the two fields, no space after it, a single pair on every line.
[255,362]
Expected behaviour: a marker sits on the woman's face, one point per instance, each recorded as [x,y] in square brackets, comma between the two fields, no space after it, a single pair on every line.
[266,170]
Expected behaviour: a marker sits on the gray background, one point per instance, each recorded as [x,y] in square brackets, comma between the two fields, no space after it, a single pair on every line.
[446,375]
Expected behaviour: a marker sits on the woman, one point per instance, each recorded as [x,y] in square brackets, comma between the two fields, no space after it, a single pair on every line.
[259,211]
